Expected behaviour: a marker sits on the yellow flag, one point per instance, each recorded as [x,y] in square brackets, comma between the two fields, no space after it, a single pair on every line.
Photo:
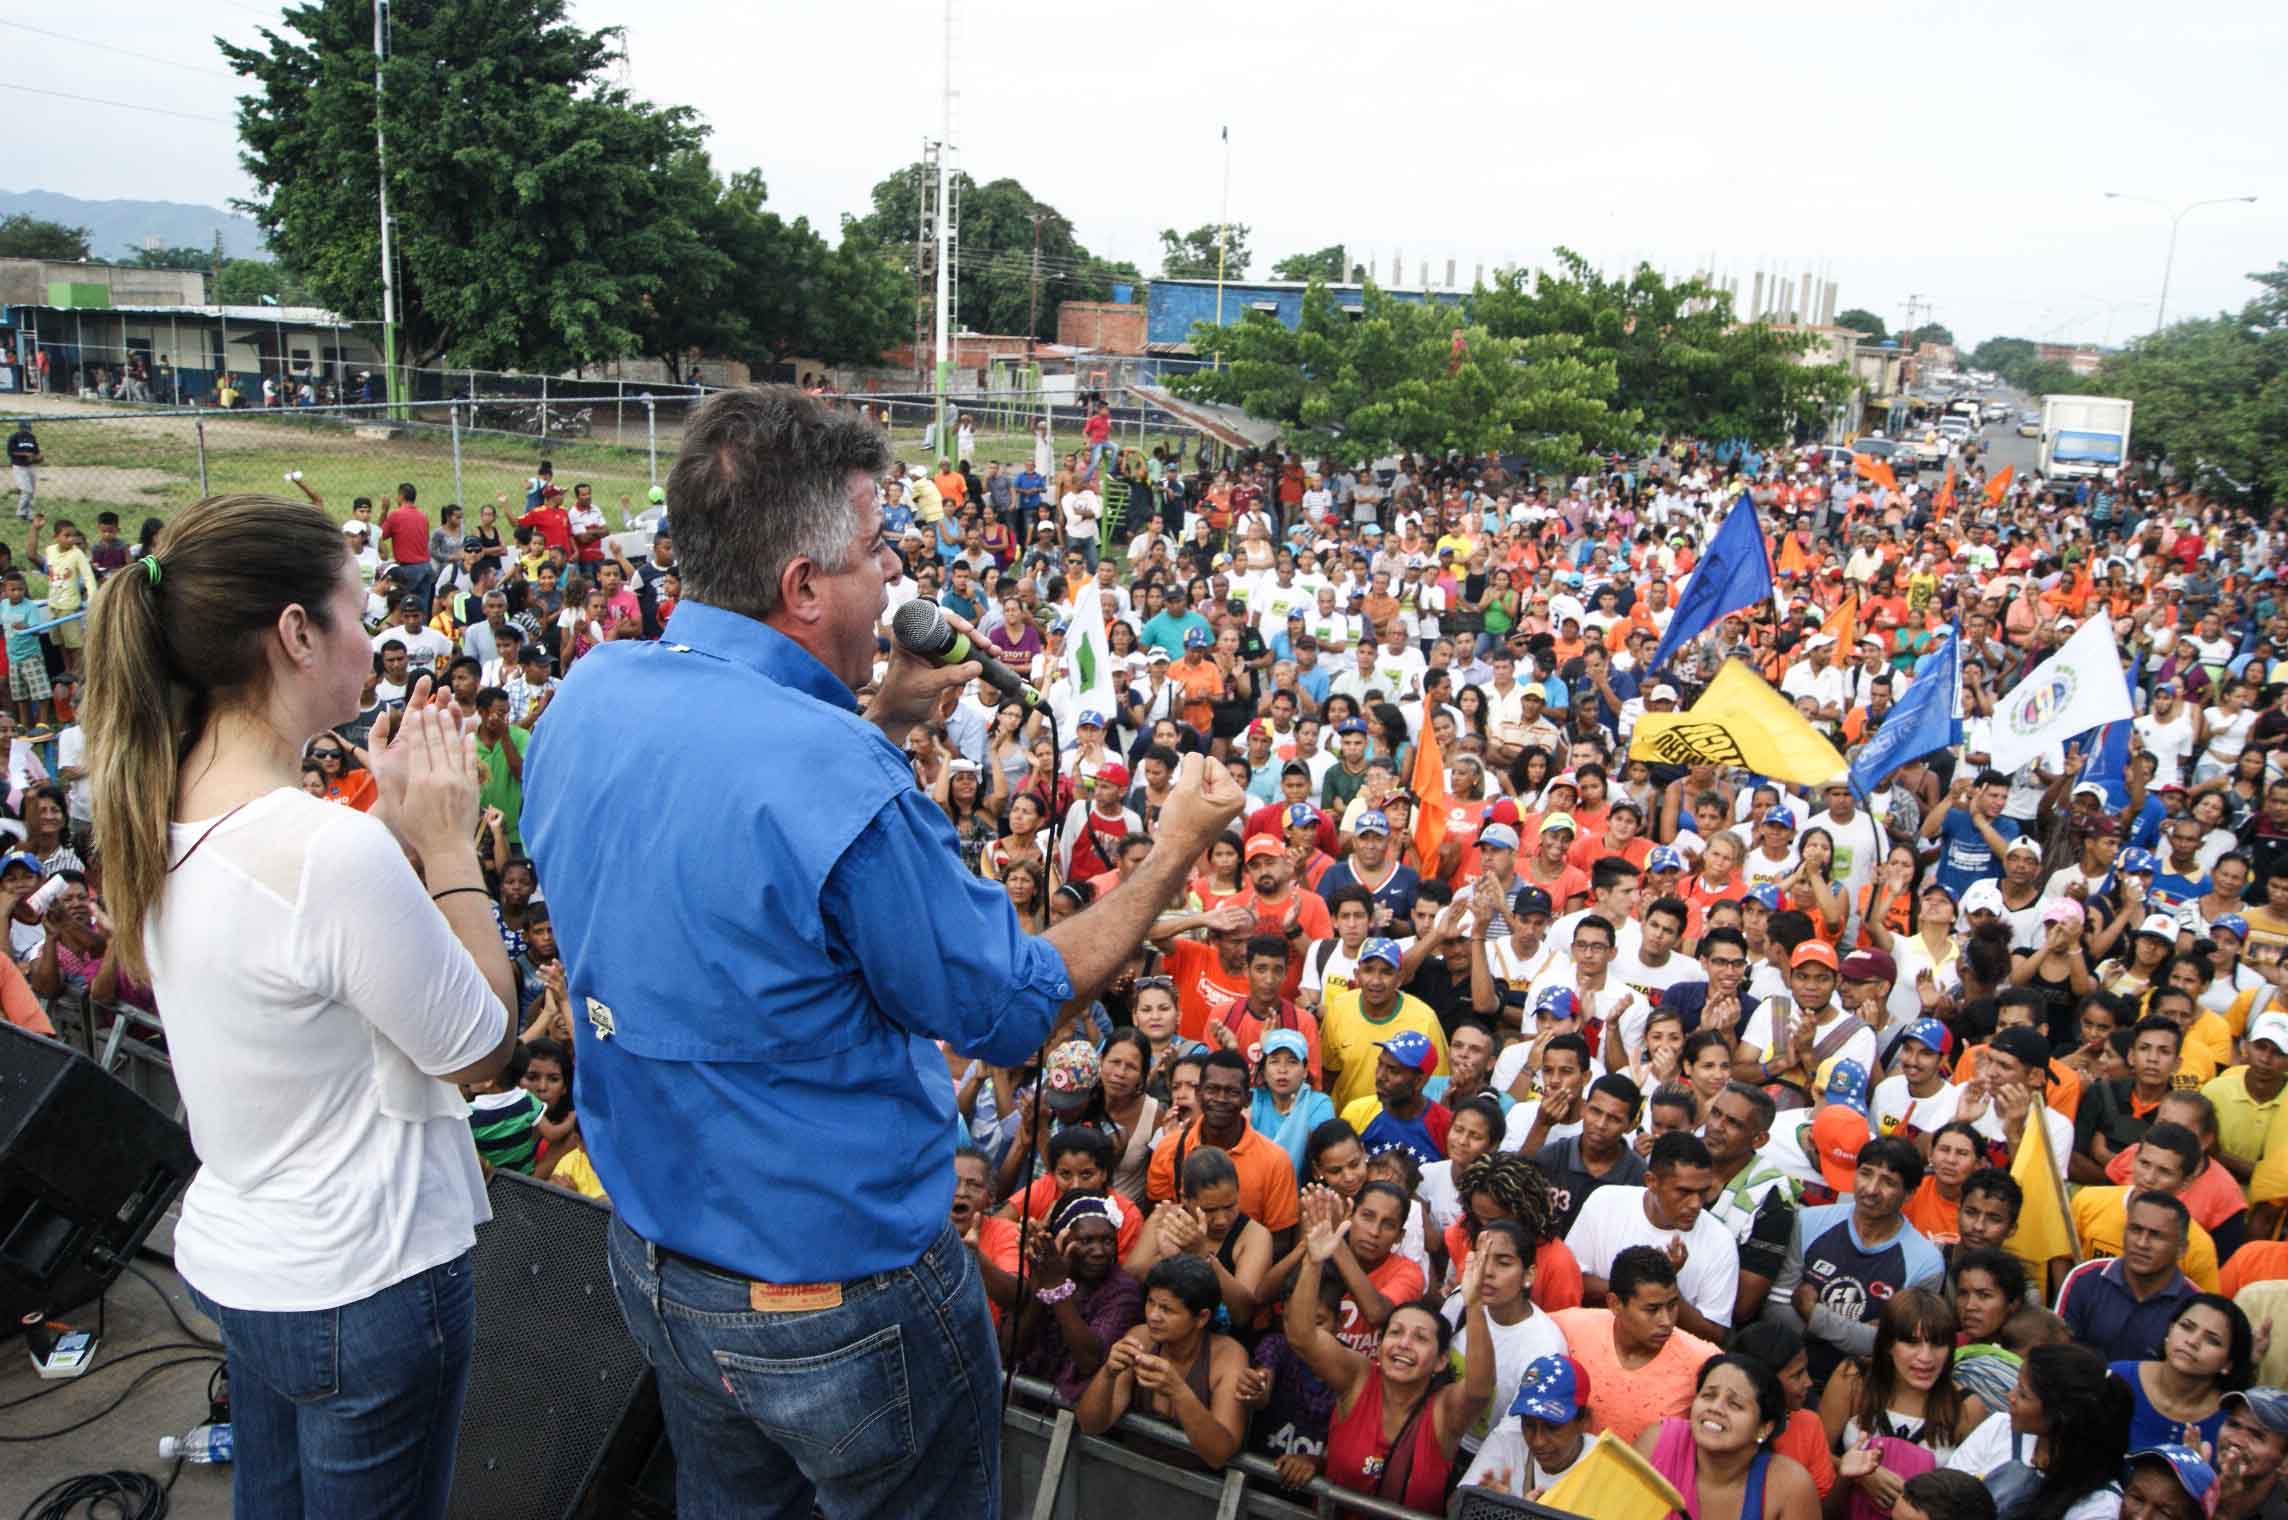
[2045,1225]
[1613,1481]
[1740,721]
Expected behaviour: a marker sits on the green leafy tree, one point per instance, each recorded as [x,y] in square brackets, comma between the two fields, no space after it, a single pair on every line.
[25,236]
[1931,332]
[1192,255]
[1860,320]
[530,196]
[999,287]
[2010,358]
[1325,264]
[2047,377]
[1407,375]
[2212,396]
[1685,364]
[181,257]
[250,282]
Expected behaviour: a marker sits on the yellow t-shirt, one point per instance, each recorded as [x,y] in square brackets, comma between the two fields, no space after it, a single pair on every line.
[1347,1038]
[576,1171]
[69,576]
[2098,1215]
[928,503]
[2208,1050]
[2244,1126]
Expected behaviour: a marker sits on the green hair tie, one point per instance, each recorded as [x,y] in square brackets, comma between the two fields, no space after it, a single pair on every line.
[150,564]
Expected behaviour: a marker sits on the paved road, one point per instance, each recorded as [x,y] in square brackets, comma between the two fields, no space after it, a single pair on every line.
[2001,445]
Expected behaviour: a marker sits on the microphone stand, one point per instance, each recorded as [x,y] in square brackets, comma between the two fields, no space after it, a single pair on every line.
[1030,1136]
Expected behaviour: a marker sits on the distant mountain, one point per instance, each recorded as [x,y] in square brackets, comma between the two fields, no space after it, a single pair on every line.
[115,226]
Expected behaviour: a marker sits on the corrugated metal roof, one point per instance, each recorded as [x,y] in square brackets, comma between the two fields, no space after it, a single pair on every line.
[291,316]
[1226,424]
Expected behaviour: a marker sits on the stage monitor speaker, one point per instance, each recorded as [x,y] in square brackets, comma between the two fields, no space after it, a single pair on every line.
[561,1417]
[1472,1503]
[86,1168]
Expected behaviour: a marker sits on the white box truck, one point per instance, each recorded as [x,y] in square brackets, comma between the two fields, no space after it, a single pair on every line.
[2083,435]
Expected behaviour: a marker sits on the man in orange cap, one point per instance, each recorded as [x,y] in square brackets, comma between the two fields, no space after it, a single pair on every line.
[1798,1039]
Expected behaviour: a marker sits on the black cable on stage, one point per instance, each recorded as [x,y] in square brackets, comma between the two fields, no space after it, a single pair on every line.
[125,1394]
[173,1313]
[1032,1141]
[103,1365]
[117,1495]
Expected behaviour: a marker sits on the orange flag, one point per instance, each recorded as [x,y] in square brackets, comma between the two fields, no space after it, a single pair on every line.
[1843,623]
[1876,470]
[1430,797]
[1999,485]
[1792,559]
[1946,488]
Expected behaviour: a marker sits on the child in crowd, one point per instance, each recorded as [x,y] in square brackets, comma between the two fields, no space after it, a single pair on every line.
[504,1116]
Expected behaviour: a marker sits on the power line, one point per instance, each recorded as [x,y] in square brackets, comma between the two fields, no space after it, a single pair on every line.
[188,68]
[123,105]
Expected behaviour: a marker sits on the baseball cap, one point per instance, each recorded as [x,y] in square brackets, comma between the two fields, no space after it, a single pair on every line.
[2195,1476]
[2022,846]
[1661,693]
[1983,895]
[1158,656]
[1114,774]
[21,860]
[1553,1388]
[1411,1048]
[2091,788]
[1557,821]
[1780,816]
[1846,1083]
[1764,894]
[1380,949]
[2028,1048]
[1557,1003]
[1938,1037]
[656,495]
[1301,815]
[2234,923]
[1089,718]
[1837,1133]
[1070,1077]
[1261,845]
[2161,925]
[1372,821]
[1814,952]
[2103,826]
[1502,811]
[410,600]
[2269,1406]
[1531,900]
[1289,1040]
[1868,966]
[471,544]
[1351,726]
[1664,857]
[2137,862]
[2265,1026]
[1497,836]
[1197,638]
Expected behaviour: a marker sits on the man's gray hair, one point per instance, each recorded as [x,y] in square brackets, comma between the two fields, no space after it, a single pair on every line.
[763,478]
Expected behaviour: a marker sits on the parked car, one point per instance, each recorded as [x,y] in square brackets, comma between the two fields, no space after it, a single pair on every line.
[2030,428]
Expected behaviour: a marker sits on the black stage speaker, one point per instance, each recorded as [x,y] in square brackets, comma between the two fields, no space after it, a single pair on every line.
[562,1418]
[86,1168]
[1473,1503]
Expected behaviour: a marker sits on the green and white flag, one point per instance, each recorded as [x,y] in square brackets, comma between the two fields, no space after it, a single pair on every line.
[1088,654]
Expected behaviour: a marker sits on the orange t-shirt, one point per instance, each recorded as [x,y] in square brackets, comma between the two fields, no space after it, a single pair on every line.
[1933,1215]
[1556,1270]
[1399,1280]
[1314,919]
[356,789]
[1805,1439]
[1267,1191]
[1590,849]
[1201,685]
[1898,918]
[1629,1400]
[1203,988]
[19,1005]
[1041,1197]
[1249,1030]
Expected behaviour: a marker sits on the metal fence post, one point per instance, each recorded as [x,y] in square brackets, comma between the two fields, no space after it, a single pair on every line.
[651,434]
[453,413]
[199,430]
[543,408]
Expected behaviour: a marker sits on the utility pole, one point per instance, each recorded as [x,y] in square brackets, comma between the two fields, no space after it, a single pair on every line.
[944,251]
[389,377]
[1033,291]
[1223,228]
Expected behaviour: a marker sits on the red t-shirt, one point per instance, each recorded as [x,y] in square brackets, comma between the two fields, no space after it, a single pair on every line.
[1097,429]
[407,529]
[1271,919]
[553,524]
[1271,819]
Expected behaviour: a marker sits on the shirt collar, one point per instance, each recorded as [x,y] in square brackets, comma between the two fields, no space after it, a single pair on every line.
[758,646]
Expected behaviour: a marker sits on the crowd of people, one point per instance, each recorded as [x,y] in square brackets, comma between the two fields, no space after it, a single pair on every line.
[1665,1101]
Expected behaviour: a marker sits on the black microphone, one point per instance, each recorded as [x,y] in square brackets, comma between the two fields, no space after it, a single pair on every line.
[920,628]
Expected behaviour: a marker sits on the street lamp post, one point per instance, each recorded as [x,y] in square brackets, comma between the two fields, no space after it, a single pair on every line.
[2176,217]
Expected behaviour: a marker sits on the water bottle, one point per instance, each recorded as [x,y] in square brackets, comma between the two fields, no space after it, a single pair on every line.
[206,1443]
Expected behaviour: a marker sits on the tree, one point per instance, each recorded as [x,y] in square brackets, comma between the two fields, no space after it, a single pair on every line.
[1326,264]
[1192,255]
[999,287]
[251,282]
[182,257]
[25,236]
[1864,322]
[1406,375]
[1930,332]
[530,197]
[2007,357]
[1686,366]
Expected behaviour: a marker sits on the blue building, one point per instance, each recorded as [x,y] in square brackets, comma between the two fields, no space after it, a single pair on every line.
[1172,307]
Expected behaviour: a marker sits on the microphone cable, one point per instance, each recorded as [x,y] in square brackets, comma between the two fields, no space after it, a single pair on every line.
[1032,1141]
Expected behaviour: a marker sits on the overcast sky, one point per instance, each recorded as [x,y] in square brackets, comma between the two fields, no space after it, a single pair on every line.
[1953,151]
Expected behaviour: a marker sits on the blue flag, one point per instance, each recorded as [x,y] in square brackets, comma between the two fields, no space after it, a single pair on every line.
[1918,723]
[2108,763]
[1736,572]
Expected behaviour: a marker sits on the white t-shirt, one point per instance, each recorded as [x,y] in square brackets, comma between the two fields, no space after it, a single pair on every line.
[1648,982]
[423,646]
[1760,1033]
[1516,1347]
[71,751]
[1989,1124]
[1506,1463]
[314,995]
[1895,1106]
[1613,1218]
[2168,743]
[1992,1444]
[1081,509]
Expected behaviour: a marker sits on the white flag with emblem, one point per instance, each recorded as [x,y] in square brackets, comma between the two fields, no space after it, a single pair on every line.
[1088,654]
[2079,688]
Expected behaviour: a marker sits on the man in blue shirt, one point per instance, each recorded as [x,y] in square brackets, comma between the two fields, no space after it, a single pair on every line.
[2121,1307]
[1851,1257]
[1973,833]
[1167,627]
[766,929]
[1030,485]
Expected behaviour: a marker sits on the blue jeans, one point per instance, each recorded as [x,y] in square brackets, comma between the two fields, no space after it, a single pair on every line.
[884,1405]
[340,1414]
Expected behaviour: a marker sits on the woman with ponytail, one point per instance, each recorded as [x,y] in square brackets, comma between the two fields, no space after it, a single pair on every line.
[321,997]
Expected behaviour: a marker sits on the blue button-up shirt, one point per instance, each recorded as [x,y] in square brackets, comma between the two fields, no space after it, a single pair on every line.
[765,925]
[2103,1314]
